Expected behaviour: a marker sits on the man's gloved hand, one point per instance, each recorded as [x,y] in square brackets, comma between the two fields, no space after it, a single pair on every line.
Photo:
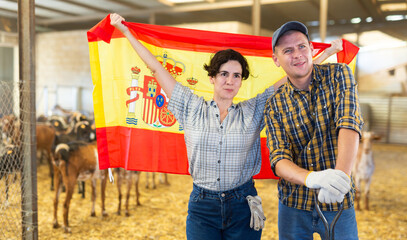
[324,196]
[334,181]
[257,216]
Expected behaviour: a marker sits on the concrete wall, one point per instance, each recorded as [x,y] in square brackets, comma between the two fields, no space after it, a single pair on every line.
[228,26]
[383,71]
[63,71]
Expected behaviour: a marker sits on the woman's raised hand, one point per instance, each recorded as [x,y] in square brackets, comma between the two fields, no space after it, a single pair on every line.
[116,21]
[336,46]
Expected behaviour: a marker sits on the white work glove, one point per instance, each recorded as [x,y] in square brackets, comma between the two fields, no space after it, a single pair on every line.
[324,196]
[257,216]
[334,181]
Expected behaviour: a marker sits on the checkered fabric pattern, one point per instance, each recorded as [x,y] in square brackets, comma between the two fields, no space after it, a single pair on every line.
[223,155]
[302,126]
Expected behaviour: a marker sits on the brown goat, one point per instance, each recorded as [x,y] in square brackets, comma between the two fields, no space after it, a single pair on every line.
[127,176]
[11,129]
[150,181]
[45,140]
[364,168]
[77,161]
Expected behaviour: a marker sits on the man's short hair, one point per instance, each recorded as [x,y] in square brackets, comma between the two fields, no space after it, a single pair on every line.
[288,26]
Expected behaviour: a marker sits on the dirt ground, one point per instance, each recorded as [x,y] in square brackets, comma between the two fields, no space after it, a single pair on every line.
[163,211]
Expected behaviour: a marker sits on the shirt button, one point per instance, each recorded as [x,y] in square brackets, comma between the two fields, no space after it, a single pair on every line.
[309,148]
[217,115]
[221,127]
[220,143]
[219,161]
[218,179]
[222,195]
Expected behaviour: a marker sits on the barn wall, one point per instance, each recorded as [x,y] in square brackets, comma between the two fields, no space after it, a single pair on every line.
[63,71]
[387,117]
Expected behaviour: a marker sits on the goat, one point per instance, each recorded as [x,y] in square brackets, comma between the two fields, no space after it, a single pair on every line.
[10,162]
[76,161]
[45,140]
[364,168]
[80,132]
[11,129]
[59,124]
[163,178]
[127,176]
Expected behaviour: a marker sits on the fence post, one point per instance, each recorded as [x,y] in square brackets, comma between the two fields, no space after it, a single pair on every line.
[26,30]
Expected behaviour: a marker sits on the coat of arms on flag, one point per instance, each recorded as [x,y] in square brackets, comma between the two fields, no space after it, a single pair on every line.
[154,101]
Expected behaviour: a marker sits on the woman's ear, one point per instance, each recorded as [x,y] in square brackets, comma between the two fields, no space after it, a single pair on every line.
[211,80]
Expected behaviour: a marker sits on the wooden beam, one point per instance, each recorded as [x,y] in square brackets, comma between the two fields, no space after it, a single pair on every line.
[185,8]
[256,17]
[323,14]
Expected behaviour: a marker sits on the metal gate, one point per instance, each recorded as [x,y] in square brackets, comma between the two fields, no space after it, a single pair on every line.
[17,196]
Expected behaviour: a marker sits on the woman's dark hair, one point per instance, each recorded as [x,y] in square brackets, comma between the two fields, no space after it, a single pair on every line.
[224,56]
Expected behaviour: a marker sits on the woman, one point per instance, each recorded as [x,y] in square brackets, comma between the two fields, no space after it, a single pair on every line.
[223,144]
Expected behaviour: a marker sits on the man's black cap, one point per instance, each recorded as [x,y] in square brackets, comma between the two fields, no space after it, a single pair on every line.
[288,26]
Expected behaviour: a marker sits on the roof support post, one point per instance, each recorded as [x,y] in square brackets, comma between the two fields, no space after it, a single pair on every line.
[256,17]
[323,13]
[26,39]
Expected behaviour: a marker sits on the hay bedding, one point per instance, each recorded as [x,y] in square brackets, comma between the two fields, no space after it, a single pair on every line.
[164,210]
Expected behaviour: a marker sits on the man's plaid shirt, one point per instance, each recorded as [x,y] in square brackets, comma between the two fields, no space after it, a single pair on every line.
[302,126]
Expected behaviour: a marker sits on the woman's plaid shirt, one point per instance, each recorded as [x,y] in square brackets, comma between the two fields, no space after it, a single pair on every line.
[223,155]
[302,126]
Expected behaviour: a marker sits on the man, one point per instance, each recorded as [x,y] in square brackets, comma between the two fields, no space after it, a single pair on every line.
[313,129]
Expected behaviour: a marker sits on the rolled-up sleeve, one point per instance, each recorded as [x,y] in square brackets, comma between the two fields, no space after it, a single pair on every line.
[348,114]
[179,100]
[277,141]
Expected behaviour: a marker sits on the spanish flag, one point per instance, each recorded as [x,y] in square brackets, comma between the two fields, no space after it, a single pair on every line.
[134,128]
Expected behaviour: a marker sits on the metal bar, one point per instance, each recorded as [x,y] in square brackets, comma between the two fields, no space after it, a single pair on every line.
[329,229]
[26,30]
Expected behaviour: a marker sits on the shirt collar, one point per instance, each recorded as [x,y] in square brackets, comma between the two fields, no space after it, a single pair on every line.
[212,103]
[316,76]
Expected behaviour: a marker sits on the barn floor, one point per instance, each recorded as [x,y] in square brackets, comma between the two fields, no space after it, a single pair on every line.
[163,211]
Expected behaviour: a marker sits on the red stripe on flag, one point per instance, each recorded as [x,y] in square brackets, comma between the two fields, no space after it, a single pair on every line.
[142,155]
[115,151]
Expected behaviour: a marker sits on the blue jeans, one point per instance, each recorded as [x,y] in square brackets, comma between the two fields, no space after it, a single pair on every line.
[300,224]
[221,215]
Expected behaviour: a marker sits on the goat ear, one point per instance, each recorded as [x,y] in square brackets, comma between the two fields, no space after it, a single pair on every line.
[377,137]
